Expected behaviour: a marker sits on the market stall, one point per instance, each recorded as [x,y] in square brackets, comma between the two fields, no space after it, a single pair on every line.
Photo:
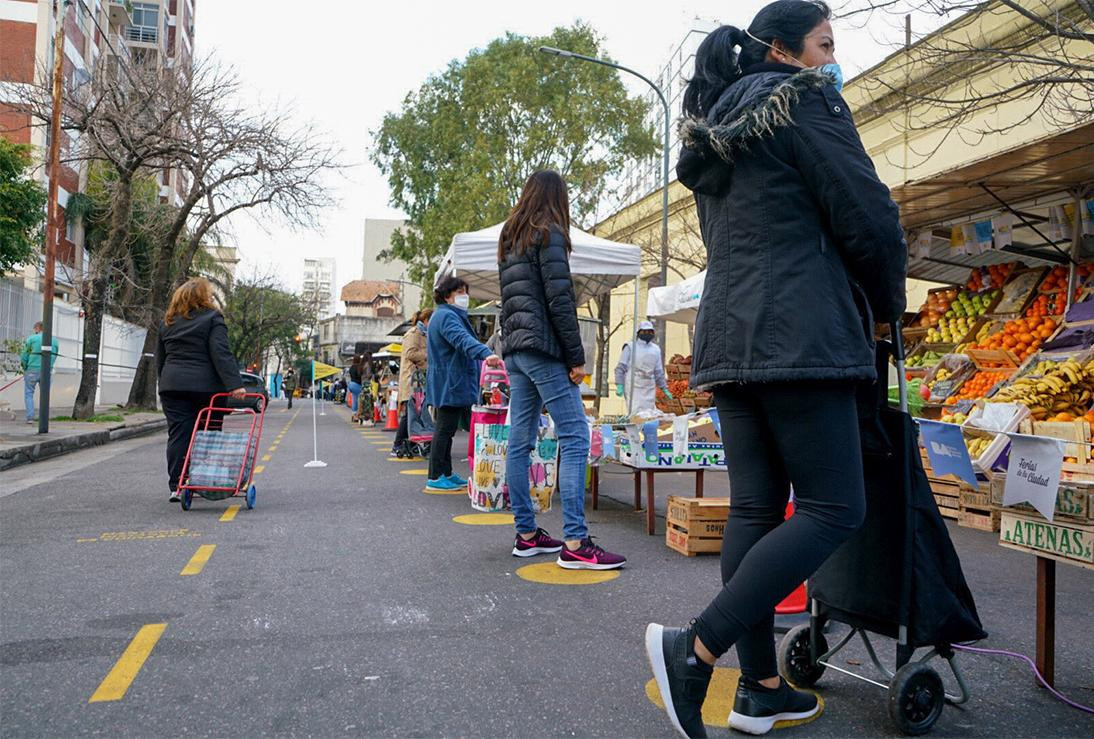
[1003,351]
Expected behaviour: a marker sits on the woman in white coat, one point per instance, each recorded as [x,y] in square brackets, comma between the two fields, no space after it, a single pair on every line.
[649,371]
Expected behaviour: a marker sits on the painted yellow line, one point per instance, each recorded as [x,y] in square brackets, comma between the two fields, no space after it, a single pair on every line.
[404,460]
[230,514]
[413,472]
[259,469]
[484,519]
[265,457]
[197,562]
[125,670]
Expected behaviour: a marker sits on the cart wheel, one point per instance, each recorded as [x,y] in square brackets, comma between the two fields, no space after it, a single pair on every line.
[251,496]
[186,498]
[795,662]
[916,697]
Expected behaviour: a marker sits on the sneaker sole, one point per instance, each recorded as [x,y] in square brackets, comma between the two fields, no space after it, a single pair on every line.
[534,551]
[762,724]
[567,565]
[656,655]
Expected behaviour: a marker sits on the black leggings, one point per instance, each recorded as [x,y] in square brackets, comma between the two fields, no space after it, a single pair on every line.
[401,433]
[181,409]
[777,435]
[447,419]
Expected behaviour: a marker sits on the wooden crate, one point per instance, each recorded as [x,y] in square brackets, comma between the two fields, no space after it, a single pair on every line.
[993,359]
[1073,500]
[695,525]
[981,519]
[678,371]
[1076,433]
[1068,542]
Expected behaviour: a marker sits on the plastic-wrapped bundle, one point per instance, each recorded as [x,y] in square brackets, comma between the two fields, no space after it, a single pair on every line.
[217,457]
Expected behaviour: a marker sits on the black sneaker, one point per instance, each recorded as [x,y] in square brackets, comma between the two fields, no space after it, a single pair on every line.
[681,677]
[174,497]
[756,708]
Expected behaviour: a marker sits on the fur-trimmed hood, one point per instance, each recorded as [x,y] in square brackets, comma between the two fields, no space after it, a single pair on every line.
[752,108]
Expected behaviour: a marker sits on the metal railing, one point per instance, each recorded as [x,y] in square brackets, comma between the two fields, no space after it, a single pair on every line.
[142,34]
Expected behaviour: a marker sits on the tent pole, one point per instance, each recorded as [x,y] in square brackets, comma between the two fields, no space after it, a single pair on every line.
[1076,244]
[634,345]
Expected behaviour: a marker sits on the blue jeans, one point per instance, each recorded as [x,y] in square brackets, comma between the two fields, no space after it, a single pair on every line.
[30,381]
[535,381]
[355,392]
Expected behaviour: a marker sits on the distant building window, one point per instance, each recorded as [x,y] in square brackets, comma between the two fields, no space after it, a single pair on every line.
[146,24]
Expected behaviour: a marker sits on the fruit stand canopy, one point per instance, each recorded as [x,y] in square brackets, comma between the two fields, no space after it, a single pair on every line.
[1030,179]
[597,265]
[679,302]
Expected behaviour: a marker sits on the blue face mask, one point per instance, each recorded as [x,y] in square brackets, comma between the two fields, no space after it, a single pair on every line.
[837,74]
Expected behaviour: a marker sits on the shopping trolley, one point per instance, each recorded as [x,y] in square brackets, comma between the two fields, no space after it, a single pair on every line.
[898,576]
[220,460]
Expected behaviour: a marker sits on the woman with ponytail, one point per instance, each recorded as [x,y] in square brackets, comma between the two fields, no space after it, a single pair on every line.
[804,250]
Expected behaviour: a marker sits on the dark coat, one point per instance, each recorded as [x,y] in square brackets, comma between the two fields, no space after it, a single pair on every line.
[804,243]
[192,355]
[452,378]
[538,308]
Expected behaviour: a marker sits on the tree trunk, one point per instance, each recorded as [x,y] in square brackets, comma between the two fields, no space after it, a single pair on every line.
[94,305]
[142,394]
[603,311]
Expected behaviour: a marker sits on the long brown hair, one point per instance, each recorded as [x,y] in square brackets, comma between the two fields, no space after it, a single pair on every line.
[194,294]
[544,203]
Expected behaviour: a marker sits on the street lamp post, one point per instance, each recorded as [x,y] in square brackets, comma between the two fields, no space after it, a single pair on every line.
[664,195]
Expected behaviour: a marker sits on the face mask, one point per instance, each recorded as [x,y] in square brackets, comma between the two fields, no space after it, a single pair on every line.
[645,337]
[832,69]
[462,301]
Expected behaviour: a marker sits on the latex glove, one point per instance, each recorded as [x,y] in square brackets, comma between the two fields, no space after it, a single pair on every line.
[619,389]
[667,394]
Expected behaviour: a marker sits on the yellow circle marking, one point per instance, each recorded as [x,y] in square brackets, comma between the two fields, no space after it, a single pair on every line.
[484,519]
[457,491]
[719,702]
[550,573]
[414,472]
[403,460]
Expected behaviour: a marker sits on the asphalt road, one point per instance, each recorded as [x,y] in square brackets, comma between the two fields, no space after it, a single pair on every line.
[349,602]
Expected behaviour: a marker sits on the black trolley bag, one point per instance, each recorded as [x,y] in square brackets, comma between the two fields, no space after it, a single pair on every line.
[898,576]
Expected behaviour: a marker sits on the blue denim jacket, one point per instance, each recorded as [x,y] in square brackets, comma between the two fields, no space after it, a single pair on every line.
[454,355]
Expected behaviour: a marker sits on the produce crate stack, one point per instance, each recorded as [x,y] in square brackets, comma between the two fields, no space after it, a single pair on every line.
[696,525]
[1069,537]
[685,399]
[975,508]
[946,490]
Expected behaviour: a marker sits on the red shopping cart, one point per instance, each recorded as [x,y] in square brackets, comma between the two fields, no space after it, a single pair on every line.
[220,460]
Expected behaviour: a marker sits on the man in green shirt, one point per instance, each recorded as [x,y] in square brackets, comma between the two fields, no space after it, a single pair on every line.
[31,359]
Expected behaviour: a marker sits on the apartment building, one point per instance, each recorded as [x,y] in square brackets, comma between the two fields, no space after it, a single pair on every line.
[377,238]
[318,287]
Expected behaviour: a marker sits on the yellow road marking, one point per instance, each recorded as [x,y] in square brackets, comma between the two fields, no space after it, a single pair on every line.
[125,670]
[84,541]
[197,562]
[382,442]
[265,457]
[230,514]
[403,459]
[413,472]
[550,573]
[140,535]
[259,468]
[484,519]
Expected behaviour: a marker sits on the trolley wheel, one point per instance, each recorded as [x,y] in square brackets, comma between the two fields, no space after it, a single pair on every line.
[795,661]
[186,498]
[251,496]
[916,697]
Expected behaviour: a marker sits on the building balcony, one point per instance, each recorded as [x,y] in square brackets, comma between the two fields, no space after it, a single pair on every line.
[120,13]
[142,35]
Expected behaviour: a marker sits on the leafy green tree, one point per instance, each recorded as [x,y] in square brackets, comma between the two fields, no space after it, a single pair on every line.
[458,152]
[22,206]
[261,317]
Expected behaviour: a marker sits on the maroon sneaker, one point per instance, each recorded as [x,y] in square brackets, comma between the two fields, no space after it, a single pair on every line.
[541,543]
[589,556]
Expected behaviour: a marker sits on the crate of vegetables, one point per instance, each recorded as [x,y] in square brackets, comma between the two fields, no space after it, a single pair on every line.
[980,385]
[1021,337]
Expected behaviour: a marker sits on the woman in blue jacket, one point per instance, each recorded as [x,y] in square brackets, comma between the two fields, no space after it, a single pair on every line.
[452,377]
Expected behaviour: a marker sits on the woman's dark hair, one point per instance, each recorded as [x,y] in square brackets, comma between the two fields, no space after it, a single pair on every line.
[446,287]
[543,203]
[718,64]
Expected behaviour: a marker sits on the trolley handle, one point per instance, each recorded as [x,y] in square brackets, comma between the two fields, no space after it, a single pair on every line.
[898,360]
[261,406]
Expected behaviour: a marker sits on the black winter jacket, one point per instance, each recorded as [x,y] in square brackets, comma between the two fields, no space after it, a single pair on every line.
[804,244]
[192,355]
[538,308]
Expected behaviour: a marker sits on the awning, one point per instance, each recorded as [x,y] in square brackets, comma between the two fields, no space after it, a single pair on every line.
[1030,179]
[679,302]
[597,265]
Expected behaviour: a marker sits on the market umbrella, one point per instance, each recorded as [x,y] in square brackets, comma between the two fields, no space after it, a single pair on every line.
[679,302]
[596,265]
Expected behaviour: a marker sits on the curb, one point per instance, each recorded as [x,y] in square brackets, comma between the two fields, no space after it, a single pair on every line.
[41,450]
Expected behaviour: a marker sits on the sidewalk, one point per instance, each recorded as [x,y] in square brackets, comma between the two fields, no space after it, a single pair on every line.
[20,442]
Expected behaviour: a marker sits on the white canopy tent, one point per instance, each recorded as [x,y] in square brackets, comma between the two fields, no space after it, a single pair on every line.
[679,302]
[597,265]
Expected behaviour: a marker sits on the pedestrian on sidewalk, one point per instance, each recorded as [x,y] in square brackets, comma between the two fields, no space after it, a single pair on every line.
[541,342]
[413,362]
[289,385]
[193,362]
[452,376]
[356,377]
[31,361]
[793,215]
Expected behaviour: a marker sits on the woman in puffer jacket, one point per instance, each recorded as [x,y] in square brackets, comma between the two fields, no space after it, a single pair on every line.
[805,250]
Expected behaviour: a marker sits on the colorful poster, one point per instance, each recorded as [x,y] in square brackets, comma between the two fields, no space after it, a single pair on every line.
[488,490]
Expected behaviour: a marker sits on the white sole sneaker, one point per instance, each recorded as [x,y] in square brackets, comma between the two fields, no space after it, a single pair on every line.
[534,551]
[586,565]
[656,656]
[762,724]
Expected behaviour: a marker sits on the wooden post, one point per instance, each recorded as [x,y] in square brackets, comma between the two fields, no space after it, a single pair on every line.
[1046,618]
[649,502]
[699,483]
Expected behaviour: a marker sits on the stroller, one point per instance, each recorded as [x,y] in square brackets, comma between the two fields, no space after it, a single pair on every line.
[898,576]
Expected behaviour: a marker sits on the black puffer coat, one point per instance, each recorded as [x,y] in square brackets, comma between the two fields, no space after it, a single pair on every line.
[538,308]
[804,244]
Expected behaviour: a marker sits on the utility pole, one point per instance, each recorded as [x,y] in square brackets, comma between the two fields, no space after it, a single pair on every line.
[54,221]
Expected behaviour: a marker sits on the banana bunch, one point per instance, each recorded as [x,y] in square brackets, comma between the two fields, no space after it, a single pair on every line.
[1064,387]
[1042,367]
[939,376]
[976,445]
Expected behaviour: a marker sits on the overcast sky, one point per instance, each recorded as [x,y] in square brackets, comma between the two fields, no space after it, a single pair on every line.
[345,64]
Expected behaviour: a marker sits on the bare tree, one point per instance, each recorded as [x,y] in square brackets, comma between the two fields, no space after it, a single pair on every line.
[945,85]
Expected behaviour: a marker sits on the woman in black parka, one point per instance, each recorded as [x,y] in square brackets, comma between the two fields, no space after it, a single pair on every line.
[805,251]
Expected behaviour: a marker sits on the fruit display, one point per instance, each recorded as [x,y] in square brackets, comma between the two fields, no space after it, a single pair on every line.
[1017,292]
[977,386]
[955,418]
[977,445]
[1064,392]
[1055,280]
[926,358]
[994,275]
[987,328]
[938,302]
[1049,304]
[1022,336]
